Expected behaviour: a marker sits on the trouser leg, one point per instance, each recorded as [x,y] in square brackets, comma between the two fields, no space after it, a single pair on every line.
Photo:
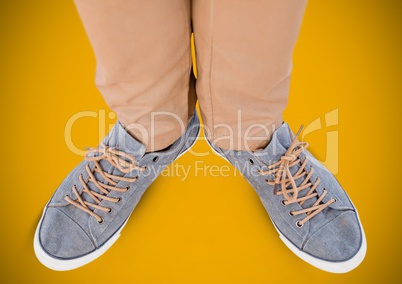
[142,50]
[244,61]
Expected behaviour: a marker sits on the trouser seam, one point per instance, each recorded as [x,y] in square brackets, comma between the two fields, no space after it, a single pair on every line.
[210,65]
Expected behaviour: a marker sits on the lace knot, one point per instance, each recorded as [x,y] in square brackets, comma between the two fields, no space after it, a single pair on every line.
[119,159]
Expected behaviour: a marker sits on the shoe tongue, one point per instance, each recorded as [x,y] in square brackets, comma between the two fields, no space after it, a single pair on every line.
[277,147]
[121,139]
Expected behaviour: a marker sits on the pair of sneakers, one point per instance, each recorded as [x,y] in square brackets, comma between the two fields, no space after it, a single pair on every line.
[311,212]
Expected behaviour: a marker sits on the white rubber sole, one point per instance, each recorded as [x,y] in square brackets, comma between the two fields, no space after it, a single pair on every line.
[333,267]
[69,264]
[329,266]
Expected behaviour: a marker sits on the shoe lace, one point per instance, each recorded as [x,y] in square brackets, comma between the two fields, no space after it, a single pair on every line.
[285,182]
[118,159]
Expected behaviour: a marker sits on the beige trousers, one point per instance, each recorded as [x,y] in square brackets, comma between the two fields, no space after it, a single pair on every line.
[244,61]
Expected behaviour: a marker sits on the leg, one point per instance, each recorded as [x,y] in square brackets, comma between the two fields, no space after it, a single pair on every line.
[143,64]
[244,64]
[244,56]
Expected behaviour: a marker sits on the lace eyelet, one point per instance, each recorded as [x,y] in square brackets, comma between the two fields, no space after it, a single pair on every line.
[291,213]
[283,202]
[298,224]
[156,158]
[110,210]
[118,199]
[101,221]
[251,161]
[335,200]
[127,188]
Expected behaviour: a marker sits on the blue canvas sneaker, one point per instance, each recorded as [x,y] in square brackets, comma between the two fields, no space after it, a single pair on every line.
[87,212]
[311,212]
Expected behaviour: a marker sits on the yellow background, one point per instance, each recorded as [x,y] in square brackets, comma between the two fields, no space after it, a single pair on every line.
[210,230]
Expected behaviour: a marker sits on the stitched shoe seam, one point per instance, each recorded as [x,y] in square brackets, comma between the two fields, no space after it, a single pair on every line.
[92,241]
[327,224]
[48,252]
